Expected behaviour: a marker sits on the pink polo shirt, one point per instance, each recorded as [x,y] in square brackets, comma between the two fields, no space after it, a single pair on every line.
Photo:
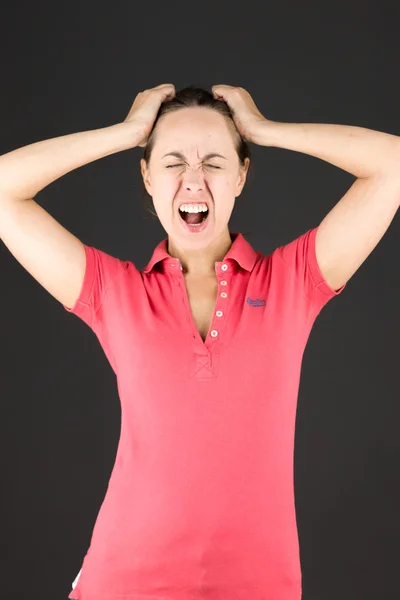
[200,502]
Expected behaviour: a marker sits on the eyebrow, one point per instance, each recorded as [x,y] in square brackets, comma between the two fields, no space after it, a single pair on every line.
[206,157]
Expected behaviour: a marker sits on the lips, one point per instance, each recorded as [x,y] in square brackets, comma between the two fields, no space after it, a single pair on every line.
[194,228]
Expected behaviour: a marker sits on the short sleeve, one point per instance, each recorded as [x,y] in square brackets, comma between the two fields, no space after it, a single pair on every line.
[300,256]
[101,270]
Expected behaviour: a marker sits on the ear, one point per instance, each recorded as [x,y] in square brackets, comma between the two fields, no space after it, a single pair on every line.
[146,175]
[242,177]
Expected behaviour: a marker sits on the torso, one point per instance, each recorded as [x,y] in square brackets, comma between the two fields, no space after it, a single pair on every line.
[202,294]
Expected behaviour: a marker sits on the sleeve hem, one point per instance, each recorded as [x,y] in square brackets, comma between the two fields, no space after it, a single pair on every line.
[84,297]
[320,282]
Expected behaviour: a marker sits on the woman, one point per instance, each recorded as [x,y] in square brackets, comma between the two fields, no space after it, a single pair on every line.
[206,341]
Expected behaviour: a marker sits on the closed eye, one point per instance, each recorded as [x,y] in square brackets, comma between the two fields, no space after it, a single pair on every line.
[180,164]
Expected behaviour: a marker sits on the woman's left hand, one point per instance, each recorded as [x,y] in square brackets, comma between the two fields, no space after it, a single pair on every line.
[248,119]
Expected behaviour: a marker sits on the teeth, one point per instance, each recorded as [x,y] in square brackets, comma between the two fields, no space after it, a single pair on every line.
[193,208]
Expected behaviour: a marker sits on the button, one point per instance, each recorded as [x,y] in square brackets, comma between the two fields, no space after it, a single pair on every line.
[224,267]
[219,313]
[223,282]
[214,333]
[224,295]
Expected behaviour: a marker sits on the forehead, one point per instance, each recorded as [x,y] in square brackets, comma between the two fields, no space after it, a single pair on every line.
[191,129]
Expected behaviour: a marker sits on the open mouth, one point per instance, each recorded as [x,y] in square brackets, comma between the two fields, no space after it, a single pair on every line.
[193,218]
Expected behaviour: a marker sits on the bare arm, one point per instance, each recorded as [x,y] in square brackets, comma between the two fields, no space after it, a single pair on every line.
[26,171]
[48,251]
[51,254]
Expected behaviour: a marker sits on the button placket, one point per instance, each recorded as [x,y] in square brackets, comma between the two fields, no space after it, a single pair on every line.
[223,282]
[219,313]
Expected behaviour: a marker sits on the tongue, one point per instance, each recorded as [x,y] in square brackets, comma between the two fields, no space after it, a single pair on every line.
[193,218]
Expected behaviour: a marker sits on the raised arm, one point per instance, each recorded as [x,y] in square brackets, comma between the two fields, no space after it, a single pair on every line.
[50,253]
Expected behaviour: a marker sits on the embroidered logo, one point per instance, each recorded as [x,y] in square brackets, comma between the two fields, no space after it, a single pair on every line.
[256,302]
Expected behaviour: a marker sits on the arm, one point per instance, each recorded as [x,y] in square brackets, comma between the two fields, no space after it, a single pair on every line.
[26,171]
[356,224]
[353,228]
[48,251]
[53,255]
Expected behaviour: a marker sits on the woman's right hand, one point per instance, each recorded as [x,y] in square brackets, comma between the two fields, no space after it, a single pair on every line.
[144,110]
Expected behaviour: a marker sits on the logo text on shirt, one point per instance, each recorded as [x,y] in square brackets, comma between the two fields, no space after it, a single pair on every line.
[256,302]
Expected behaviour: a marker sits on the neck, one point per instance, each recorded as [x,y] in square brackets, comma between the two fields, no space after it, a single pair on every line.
[200,262]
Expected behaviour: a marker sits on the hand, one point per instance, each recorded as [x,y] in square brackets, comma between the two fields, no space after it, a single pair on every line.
[246,115]
[144,111]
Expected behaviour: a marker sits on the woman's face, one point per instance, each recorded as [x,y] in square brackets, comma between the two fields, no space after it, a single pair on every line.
[194,133]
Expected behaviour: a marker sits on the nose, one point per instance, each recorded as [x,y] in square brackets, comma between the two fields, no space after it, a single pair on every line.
[193,179]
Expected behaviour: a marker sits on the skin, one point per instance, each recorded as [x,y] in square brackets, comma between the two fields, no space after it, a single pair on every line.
[195,132]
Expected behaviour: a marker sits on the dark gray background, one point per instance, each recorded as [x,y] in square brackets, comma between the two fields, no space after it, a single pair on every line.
[68,68]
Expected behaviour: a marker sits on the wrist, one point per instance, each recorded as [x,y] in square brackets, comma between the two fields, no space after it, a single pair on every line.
[125,135]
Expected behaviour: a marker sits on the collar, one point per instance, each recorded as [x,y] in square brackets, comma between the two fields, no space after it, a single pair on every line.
[241,251]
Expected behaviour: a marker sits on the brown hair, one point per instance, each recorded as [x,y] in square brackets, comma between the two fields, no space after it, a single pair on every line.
[187,97]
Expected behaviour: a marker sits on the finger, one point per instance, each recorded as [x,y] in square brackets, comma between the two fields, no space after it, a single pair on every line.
[169,91]
[222,86]
[217,90]
[164,85]
[164,88]
[222,91]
